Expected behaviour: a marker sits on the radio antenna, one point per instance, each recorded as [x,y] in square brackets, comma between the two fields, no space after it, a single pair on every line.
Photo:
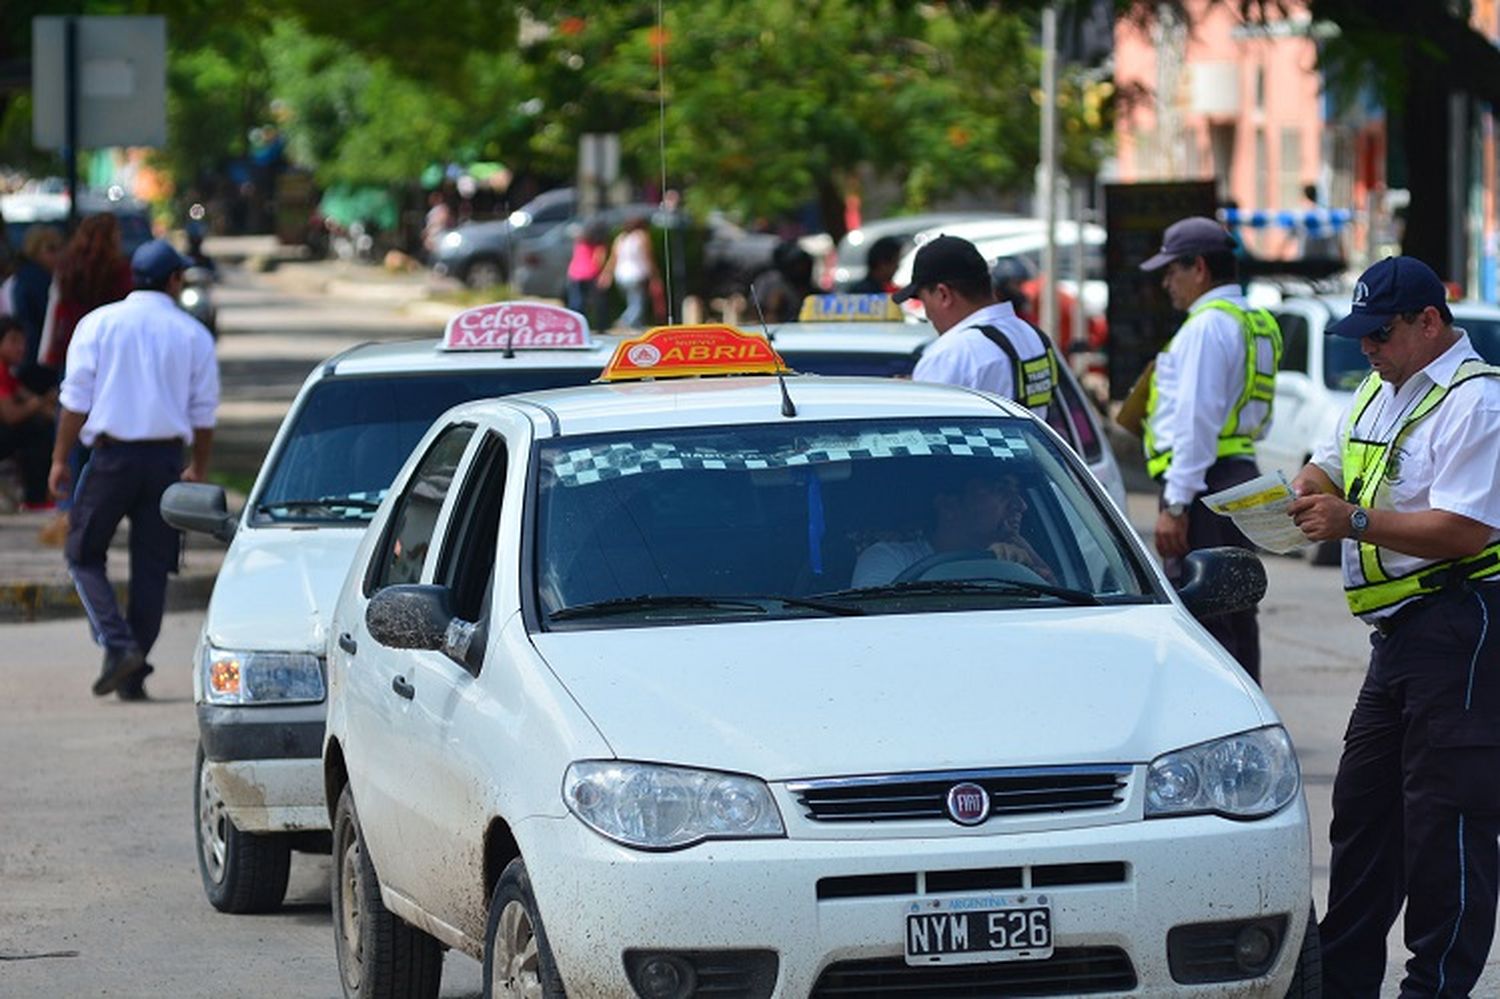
[788,408]
[661,143]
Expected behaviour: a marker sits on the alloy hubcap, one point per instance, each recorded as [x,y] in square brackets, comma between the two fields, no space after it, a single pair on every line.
[212,819]
[514,965]
[350,906]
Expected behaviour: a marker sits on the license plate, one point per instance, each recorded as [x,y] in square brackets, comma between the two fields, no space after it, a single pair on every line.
[978,929]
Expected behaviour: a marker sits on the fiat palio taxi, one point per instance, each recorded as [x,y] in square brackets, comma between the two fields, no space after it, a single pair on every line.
[750,684]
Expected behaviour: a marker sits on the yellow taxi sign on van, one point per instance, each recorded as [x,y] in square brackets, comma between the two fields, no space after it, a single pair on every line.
[836,308]
[687,350]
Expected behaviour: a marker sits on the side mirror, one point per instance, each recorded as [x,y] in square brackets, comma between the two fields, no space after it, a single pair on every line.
[410,617]
[198,506]
[1219,581]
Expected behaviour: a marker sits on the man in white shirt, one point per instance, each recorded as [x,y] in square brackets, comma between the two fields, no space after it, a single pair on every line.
[982,343]
[1204,413]
[1411,484]
[141,381]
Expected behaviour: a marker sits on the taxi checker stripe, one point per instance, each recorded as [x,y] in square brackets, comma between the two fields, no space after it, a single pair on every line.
[609,461]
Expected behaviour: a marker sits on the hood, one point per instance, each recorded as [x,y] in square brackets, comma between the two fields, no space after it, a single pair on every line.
[278,586]
[833,697]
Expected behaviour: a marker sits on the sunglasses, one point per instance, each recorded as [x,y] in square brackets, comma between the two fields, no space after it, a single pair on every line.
[1385,332]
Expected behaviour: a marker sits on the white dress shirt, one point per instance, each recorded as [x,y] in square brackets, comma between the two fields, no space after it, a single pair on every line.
[1450,460]
[963,355]
[141,369]
[1197,383]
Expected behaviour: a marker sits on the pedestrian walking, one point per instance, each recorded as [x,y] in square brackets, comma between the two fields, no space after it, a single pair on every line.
[91,272]
[141,380]
[32,283]
[1209,400]
[1412,486]
[632,267]
[590,251]
[981,343]
[881,261]
[777,293]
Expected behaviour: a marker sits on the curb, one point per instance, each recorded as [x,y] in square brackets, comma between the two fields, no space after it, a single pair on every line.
[29,602]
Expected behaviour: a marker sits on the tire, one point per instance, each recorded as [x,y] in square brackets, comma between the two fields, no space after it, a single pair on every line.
[517,960]
[1307,983]
[1327,553]
[380,956]
[484,272]
[241,872]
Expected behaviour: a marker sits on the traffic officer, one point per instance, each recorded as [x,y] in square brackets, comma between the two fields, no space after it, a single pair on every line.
[1208,402]
[982,343]
[1413,486]
[141,380]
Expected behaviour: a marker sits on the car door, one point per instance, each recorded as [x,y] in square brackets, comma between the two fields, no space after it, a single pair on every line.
[381,771]
[1285,445]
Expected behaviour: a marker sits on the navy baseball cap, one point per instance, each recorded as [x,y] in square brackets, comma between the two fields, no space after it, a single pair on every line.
[1388,288]
[155,261]
[944,259]
[1194,236]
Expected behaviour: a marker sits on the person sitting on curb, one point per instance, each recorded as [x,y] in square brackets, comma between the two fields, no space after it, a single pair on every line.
[27,418]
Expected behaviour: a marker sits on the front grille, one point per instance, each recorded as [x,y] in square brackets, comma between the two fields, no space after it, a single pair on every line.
[1070,971]
[972,880]
[1020,791]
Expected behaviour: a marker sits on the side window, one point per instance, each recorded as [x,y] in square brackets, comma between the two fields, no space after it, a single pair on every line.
[558,211]
[466,563]
[1090,447]
[409,534]
[1293,341]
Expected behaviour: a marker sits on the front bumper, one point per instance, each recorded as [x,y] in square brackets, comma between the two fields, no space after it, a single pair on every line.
[267,763]
[598,899]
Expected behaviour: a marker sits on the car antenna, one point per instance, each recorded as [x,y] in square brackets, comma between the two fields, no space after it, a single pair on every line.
[661,144]
[510,270]
[788,408]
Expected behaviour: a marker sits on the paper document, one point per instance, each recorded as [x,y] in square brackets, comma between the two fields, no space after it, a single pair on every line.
[1259,509]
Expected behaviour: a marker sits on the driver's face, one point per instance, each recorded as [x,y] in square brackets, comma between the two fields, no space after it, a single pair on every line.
[996,502]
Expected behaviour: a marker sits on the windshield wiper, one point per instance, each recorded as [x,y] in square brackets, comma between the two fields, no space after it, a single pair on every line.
[982,586]
[326,503]
[756,602]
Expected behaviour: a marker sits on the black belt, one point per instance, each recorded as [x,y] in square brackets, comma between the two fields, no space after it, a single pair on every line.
[1387,625]
[105,440]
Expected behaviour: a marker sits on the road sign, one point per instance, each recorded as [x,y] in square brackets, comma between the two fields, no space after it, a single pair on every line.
[119,81]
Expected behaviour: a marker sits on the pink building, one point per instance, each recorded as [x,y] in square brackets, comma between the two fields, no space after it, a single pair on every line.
[1241,103]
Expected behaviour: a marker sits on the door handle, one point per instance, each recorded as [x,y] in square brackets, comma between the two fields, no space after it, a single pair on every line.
[347,643]
[400,686]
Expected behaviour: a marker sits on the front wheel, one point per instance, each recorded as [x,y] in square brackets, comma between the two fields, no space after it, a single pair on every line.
[241,872]
[1307,983]
[379,954]
[517,961]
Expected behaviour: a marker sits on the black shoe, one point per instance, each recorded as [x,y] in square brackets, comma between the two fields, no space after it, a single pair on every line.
[134,689]
[119,666]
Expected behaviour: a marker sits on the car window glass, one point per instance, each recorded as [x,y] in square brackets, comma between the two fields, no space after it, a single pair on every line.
[873,363]
[1293,341]
[400,557]
[753,513]
[1076,407]
[349,436]
[468,551]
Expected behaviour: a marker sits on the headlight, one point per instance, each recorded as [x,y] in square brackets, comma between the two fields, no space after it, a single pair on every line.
[262,677]
[1245,776]
[665,808]
[190,297]
[451,240]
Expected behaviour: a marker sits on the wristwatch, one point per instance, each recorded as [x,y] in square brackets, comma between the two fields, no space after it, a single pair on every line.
[1359,522]
[1176,510]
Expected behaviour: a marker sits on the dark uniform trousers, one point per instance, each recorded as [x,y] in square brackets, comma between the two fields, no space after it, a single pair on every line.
[1238,632]
[124,479]
[1416,803]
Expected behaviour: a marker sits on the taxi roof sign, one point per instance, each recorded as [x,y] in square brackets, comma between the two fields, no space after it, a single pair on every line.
[874,307]
[517,325]
[687,350]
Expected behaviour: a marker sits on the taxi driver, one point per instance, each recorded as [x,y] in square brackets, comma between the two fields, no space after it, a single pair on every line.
[982,514]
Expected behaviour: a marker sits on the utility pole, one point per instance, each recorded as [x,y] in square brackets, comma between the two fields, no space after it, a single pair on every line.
[1049,168]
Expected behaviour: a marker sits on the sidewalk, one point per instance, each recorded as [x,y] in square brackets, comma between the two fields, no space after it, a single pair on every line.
[34,580]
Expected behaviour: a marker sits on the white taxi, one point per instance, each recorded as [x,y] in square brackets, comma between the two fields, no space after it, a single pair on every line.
[784,686]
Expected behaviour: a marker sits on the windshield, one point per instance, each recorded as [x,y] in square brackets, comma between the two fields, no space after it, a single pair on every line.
[1344,364]
[896,516]
[350,436]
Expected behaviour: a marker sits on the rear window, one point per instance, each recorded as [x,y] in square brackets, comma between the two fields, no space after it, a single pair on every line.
[350,436]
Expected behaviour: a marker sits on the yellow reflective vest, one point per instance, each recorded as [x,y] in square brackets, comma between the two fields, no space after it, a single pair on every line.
[1251,412]
[1367,465]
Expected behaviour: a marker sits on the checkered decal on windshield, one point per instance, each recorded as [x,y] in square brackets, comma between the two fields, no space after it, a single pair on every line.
[582,466]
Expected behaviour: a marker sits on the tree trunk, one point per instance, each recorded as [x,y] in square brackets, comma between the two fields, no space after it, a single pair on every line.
[1428,147]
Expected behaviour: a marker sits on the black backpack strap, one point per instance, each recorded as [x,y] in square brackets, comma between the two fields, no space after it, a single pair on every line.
[994,336]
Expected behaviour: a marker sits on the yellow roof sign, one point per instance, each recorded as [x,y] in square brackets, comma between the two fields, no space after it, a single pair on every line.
[683,351]
[850,309]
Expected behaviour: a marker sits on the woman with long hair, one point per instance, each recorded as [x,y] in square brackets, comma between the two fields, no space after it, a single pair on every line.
[92,272]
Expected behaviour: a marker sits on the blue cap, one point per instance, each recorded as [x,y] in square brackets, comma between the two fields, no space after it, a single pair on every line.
[1194,236]
[155,261]
[1388,288]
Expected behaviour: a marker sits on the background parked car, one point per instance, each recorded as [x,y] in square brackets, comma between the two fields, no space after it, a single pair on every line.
[849,258]
[481,254]
[1319,373]
[23,210]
